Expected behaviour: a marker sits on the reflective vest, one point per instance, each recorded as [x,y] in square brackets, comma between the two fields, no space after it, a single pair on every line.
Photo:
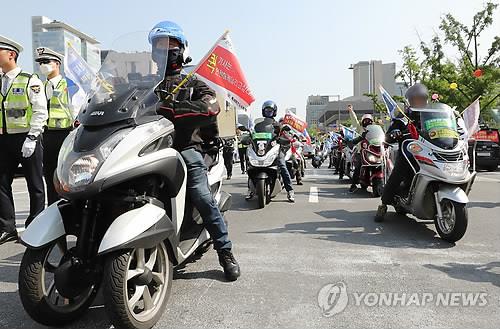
[60,116]
[16,107]
[240,144]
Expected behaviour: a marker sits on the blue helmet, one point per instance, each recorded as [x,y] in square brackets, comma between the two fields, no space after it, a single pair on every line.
[176,57]
[269,109]
[168,29]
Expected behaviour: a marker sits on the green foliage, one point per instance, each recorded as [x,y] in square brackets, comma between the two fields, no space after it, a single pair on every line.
[438,71]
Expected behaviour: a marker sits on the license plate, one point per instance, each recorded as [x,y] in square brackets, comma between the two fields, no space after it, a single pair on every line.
[483,154]
[261,162]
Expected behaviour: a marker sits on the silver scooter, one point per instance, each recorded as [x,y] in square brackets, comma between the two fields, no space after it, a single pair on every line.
[442,181]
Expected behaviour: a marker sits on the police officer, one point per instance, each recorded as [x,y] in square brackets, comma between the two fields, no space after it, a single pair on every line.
[60,113]
[242,148]
[227,152]
[22,117]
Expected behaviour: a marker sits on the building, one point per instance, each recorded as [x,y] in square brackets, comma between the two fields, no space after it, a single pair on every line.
[368,75]
[130,62]
[315,108]
[57,35]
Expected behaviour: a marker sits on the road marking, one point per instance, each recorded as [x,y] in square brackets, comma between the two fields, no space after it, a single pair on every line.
[313,194]
[487,179]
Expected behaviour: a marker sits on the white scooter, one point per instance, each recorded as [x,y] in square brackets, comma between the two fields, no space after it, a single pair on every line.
[125,220]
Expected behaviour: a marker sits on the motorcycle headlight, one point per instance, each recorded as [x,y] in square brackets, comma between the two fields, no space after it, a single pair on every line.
[82,170]
[75,169]
[267,161]
[372,158]
[454,168]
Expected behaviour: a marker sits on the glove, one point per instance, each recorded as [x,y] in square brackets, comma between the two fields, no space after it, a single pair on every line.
[29,147]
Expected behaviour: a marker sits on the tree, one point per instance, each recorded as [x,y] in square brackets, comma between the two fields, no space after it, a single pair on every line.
[378,106]
[460,80]
[411,71]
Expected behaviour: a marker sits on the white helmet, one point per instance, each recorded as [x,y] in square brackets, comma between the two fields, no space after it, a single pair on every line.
[366,120]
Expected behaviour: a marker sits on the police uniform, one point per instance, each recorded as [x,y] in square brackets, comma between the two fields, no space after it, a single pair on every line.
[23,114]
[59,123]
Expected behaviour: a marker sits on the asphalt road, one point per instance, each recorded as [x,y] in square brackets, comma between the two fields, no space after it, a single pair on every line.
[289,252]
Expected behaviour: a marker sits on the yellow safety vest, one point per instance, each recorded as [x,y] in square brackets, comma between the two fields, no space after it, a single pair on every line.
[16,108]
[60,116]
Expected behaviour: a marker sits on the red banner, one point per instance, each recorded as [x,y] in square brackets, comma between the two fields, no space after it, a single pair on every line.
[294,122]
[222,68]
[487,135]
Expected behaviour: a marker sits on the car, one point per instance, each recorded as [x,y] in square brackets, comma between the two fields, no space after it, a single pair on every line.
[487,147]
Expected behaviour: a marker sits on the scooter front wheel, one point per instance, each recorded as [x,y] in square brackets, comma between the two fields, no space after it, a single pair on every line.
[137,286]
[260,189]
[377,188]
[453,224]
[39,294]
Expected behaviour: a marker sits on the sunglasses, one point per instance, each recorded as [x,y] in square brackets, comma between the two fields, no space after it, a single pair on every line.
[45,61]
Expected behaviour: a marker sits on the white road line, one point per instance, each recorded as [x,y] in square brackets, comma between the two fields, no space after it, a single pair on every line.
[313,194]
[487,179]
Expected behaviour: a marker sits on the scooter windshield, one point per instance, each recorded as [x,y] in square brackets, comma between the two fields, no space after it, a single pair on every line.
[124,86]
[375,135]
[439,127]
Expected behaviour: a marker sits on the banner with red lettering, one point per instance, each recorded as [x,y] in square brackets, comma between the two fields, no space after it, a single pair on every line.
[221,70]
[294,121]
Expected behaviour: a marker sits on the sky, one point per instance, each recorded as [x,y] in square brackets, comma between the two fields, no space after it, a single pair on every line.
[287,49]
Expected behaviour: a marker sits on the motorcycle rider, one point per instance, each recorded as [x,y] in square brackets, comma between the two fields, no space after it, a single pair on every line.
[193,111]
[366,120]
[269,110]
[400,130]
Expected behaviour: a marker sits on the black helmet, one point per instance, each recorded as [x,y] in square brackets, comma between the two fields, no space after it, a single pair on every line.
[417,90]
[269,109]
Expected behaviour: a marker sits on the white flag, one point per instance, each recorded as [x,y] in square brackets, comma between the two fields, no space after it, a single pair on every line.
[471,117]
[80,73]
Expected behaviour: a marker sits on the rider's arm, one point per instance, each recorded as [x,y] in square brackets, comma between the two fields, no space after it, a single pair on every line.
[203,102]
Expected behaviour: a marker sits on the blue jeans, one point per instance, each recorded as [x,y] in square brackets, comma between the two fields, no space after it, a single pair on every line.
[201,197]
[285,175]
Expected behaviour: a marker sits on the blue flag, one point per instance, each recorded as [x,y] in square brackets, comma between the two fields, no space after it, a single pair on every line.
[349,134]
[390,104]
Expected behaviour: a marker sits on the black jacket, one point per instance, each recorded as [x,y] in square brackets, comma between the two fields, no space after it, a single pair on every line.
[397,132]
[193,111]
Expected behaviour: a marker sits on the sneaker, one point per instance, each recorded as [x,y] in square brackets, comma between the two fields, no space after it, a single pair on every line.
[300,183]
[249,196]
[382,209]
[8,236]
[353,188]
[228,177]
[291,196]
[229,264]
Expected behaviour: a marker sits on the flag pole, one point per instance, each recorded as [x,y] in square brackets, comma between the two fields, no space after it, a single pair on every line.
[470,105]
[190,74]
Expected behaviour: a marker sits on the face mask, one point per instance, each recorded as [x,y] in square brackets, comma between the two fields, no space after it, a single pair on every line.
[46,69]
[168,61]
